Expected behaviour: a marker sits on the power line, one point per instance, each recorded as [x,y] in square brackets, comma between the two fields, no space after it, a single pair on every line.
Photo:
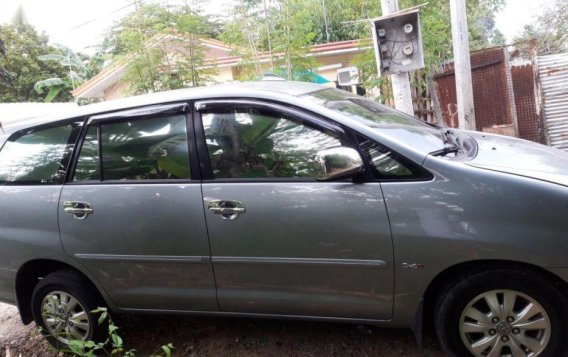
[100,17]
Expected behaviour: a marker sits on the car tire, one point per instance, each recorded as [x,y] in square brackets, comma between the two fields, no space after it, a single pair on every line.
[503,327]
[61,306]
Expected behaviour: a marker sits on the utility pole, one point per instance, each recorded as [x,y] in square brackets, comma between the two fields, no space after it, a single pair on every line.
[462,65]
[401,81]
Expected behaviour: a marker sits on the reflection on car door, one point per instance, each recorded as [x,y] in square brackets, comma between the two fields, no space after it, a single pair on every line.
[132,214]
[281,242]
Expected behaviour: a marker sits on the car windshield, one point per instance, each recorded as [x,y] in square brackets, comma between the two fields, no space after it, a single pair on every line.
[400,126]
[363,108]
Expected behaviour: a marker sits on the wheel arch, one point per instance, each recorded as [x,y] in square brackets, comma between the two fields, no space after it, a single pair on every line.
[31,272]
[462,270]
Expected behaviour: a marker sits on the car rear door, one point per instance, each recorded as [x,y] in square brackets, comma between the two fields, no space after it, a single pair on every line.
[282,242]
[131,211]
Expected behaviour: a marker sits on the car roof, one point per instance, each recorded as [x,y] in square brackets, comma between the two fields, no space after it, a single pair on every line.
[275,90]
[278,91]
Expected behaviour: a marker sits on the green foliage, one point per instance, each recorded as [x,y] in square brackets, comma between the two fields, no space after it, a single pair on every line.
[295,25]
[21,66]
[342,18]
[549,31]
[29,66]
[292,36]
[283,33]
[161,47]
[113,346]
[75,76]
[498,39]
[243,33]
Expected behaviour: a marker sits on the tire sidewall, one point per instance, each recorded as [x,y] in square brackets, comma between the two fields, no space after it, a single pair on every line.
[42,290]
[452,305]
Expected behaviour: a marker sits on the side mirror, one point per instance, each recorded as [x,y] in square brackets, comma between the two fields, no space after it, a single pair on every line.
[338,162]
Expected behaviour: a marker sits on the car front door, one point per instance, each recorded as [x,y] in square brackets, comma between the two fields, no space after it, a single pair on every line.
[132,213]
[282,242]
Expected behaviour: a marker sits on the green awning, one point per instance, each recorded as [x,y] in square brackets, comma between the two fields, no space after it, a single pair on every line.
[301,75]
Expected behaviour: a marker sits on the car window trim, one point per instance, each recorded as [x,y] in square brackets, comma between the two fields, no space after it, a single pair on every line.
[139,113]
[205,167]
[135,182]
[148,111]
[234,103]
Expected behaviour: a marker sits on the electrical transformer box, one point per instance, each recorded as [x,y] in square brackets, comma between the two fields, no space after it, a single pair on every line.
[398,42]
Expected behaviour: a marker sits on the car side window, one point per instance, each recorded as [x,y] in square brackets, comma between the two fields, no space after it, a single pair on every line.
[36,156]
[257,143]
[136,149]
[386,164]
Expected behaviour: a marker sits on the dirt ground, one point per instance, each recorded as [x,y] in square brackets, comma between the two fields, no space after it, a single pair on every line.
[215,336]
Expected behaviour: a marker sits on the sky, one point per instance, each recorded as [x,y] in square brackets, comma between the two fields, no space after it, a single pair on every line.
[81,24]
[518,13]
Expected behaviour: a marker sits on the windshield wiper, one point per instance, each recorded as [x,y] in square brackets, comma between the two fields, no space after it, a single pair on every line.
[448,149]
[451,143]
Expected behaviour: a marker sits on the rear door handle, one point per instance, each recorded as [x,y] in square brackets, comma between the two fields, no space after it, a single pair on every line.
[79,210]
[227,209]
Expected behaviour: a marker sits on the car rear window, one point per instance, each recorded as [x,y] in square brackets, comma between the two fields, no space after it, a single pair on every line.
[36,156]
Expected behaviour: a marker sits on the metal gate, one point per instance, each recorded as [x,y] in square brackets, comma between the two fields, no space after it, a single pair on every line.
[553,73]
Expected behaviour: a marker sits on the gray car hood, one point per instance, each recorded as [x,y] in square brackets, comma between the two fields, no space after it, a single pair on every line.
[520,157]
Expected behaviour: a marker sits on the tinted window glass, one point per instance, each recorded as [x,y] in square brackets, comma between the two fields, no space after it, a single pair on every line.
[387,164]
[87,167]
[256,143]
[362,108]
[140,149]
[394,124]
[36,156]
[154,148]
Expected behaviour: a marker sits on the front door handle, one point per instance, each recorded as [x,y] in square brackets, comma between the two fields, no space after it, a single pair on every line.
[227,209]
[79,210]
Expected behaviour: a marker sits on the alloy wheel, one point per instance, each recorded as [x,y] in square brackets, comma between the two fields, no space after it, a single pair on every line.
[64,317]
[505,323]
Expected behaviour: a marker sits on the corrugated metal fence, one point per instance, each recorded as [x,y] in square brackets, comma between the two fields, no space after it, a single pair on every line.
[553,72]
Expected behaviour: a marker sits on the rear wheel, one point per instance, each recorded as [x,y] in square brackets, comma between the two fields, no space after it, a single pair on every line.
[502,313]
[61,304]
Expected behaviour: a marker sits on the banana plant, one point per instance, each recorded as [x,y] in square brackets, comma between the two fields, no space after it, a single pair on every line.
[54,86]
[76,76]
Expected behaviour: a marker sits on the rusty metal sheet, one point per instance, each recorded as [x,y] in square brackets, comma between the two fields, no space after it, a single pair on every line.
[492,94]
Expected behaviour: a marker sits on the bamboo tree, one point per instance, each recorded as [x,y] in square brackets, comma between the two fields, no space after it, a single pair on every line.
[161,47]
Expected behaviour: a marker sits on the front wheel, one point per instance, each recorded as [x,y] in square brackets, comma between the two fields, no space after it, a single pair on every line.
[502,313]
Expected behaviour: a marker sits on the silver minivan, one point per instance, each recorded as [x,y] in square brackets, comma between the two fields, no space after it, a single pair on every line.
[284,199]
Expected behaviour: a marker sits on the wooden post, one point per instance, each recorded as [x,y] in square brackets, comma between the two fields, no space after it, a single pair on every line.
[462,65]
[400,82]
